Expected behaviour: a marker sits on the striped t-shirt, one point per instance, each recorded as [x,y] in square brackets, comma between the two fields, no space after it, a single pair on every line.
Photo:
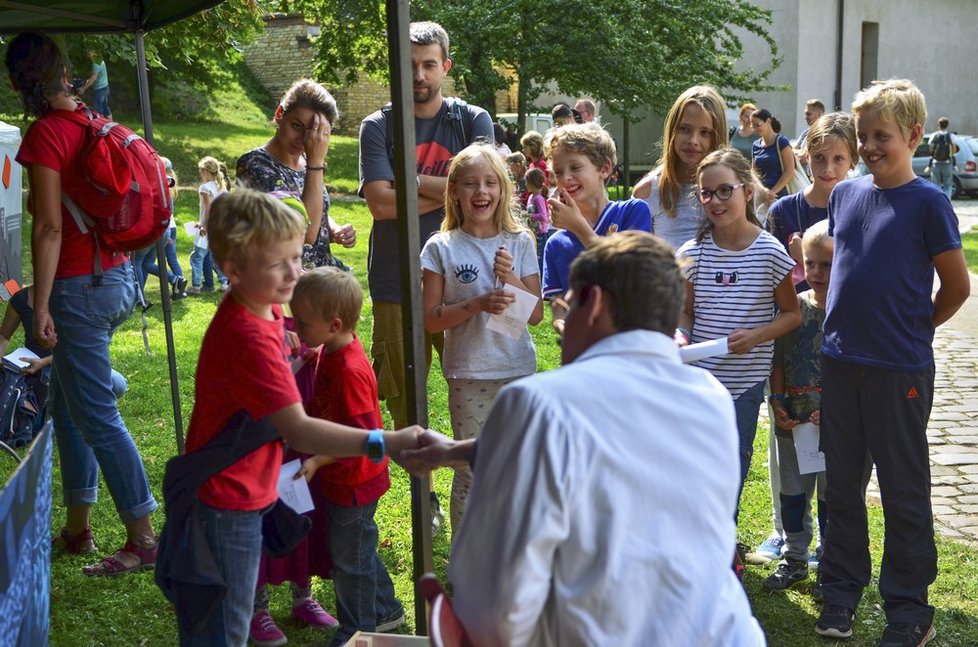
[731,290]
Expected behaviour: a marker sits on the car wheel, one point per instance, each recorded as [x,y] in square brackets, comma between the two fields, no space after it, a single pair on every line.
[956,191]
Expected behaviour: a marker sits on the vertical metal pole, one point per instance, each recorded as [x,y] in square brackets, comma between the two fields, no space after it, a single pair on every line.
[405,171]
[143,82]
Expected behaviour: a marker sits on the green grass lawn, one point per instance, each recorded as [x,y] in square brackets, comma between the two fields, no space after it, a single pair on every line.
[131,611]
[970,241]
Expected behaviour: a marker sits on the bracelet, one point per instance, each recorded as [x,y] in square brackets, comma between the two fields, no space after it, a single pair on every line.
[419,181]
[777,397]
[316,168]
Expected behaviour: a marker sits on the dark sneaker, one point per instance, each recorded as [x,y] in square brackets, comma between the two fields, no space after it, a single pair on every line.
[179,285]
[835,622]
[903,634]
[817,587]
[391,622]
[788,573]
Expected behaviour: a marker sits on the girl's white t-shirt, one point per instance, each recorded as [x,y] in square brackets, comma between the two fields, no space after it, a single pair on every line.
[472,351]
[208,188]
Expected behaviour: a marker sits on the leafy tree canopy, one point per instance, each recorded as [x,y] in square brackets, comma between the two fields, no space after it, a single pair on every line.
[626,54]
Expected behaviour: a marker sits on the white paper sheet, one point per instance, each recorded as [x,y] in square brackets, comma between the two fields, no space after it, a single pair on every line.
[190,228]
[702,350]
[810,460]
[294,492]
[512,321]
[16,358]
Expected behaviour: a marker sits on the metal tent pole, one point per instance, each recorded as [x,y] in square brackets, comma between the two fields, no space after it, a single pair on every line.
[171,357]
[405,171]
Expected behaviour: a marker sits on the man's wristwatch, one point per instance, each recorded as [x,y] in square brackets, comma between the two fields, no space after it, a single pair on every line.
[375,446]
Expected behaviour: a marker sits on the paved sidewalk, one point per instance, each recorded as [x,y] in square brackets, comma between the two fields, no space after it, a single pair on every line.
[953,427]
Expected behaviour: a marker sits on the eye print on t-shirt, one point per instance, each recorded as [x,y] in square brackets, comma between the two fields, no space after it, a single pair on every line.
[466,273]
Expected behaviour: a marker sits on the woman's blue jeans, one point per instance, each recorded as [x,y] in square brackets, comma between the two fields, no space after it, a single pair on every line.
[90,432]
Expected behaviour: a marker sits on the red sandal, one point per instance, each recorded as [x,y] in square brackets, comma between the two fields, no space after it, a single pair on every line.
[112,566]
[81,544]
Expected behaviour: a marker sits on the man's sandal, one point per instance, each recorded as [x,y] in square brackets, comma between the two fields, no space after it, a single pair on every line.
[112,566]
[81,544]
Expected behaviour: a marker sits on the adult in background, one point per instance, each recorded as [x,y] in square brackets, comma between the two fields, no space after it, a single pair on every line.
[100,79]
[742,136]
[774,160]
[551,551]
[587,110]
[294,160]
[442,127]
[563,115]
[814,108]
[75,313]
[941,147]
[499,137]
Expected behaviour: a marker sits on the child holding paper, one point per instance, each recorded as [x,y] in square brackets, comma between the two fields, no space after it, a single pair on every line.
[795,395]
[471,269]
[326,304]
[736,274]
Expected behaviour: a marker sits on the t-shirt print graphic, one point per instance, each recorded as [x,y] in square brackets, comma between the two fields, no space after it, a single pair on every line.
[433,159]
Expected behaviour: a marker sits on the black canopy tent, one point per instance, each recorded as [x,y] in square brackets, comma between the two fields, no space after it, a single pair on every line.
[141,16]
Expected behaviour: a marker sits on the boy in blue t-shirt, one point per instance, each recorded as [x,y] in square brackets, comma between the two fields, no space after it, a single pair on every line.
[891,230]
[582,157]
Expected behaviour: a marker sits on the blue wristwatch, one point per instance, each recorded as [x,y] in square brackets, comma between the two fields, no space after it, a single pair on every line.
[375,446]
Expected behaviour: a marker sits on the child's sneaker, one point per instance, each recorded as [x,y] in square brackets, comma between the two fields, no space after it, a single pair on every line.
[391,622]
[770,548]
[900,634]
[193,289]
[815,557]
[789,573]
[264,632]
[835,622]
[309,612]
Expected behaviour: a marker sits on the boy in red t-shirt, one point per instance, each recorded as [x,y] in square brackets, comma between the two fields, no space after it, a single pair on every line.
[257,241]
[326,305]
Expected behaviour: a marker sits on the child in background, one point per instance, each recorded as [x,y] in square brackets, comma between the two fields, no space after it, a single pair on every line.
[539,211]
[326,304]
[258,242]
[214,176]
[831,142]
[892,230]
[736,275]
[532,144]
[516,163]
[795,395]
[583,157]
[696,126]
[144,260]
[467,266]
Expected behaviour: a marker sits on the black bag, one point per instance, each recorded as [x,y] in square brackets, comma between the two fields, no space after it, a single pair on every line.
[20,407]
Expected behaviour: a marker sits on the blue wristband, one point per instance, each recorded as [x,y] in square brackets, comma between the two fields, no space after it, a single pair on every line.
[375,445]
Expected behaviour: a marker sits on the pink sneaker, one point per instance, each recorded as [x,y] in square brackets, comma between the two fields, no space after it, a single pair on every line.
[314,615]
[264,632]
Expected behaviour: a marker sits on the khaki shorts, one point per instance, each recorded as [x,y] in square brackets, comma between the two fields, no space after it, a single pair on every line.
[387,349]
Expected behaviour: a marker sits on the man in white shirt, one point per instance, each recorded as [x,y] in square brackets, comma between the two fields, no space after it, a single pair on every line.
[586,475]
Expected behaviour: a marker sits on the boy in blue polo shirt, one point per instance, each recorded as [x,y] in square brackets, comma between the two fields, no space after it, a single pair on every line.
[891,230]
[582,157]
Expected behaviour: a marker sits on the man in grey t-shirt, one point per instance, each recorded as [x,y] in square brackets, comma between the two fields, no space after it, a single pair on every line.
[443,127]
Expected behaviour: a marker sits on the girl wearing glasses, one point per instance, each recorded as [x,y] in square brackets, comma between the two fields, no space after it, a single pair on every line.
[736,275]
[696,126]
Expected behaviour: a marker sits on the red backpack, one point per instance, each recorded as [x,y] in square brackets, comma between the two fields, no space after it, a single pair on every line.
[121,191]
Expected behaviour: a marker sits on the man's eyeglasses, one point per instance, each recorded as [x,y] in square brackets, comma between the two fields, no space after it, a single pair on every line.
[723,192]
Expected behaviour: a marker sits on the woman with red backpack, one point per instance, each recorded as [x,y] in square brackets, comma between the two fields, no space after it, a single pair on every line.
[82,293]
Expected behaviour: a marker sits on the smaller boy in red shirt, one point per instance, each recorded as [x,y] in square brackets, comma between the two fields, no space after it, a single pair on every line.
[326,305]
